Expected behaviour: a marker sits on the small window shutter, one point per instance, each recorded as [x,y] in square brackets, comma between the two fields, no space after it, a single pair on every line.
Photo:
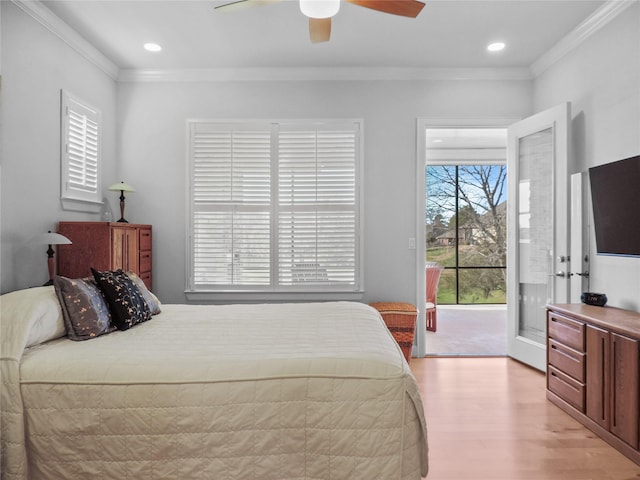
[317,208]
[80,178]
[231,205]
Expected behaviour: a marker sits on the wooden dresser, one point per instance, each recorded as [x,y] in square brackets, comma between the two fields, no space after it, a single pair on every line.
[105,246]
[593,358]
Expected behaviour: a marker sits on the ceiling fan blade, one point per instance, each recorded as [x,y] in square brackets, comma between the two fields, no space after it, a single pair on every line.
[404,8]
[319,29]
[243,4]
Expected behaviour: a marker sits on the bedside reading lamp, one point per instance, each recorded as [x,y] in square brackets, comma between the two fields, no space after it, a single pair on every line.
[121,187]
[52,239]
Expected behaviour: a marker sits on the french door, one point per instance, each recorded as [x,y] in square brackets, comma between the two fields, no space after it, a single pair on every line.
[538,229]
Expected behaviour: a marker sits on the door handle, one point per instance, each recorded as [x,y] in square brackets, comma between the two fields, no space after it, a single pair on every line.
[560,274]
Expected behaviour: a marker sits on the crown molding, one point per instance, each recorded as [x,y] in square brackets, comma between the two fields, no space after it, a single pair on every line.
[55,25]
[321,74]
[610,10]
[597,20]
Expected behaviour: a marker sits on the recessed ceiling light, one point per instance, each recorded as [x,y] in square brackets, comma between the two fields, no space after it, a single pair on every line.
[152,47]
[496,46]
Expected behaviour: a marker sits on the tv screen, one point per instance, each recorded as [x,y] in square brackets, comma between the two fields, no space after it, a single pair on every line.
[615,193]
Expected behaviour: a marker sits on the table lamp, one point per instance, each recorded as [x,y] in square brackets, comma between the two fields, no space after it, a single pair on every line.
[122,187]
[50,239]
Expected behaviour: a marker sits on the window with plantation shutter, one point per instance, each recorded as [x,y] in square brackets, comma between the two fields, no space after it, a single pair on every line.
[317,227]
[80,150]
[274,206]
[231,205]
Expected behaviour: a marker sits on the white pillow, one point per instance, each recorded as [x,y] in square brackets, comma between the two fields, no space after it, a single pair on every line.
[34,314]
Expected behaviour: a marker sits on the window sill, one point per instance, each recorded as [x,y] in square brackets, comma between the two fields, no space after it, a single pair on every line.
[79,205]
[197,296]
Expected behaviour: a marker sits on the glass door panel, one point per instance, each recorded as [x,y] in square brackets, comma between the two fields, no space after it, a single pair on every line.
[535,232]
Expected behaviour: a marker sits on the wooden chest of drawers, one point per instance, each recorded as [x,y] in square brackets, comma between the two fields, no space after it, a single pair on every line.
[106,246]
[593,370]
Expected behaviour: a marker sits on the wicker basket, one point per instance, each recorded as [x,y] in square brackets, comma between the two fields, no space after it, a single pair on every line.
[400,319]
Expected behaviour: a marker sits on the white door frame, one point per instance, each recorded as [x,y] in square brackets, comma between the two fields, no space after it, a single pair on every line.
[421,278]
[580,220]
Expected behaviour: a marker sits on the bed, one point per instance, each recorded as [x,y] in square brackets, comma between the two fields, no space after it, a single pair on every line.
[316,391]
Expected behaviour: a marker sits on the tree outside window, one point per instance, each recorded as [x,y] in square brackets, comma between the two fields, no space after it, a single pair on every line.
[466,231]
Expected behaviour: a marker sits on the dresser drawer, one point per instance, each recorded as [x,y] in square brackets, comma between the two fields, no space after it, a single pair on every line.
[570,390]
[567,360]
[145,239]
[566,331]
[146,278]
[145,261]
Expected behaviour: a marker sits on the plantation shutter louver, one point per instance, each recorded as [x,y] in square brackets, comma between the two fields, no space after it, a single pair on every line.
[274,206]
[80,179]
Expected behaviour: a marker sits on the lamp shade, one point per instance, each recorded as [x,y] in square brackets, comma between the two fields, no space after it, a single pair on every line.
[319,8]
[124,187]
[51,238]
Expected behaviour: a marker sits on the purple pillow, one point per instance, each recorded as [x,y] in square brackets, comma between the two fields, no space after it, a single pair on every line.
[84,308]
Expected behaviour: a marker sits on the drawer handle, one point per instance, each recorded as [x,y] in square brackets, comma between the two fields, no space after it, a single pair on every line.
[568,385]
[573,328]
[564,353]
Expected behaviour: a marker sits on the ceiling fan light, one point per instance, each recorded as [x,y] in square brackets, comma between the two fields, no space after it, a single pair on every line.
[319,8]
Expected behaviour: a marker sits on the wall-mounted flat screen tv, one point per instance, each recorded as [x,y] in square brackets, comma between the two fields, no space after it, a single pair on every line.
[615,194]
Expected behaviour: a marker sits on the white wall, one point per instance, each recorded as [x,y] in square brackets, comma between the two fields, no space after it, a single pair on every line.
[36,65]
[602,80]
[152,149]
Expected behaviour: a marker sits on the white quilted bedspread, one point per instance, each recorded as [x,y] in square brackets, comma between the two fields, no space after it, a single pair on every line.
[283,392]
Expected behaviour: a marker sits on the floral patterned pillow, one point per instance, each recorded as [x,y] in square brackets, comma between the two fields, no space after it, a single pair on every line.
[149,297]
[84,308]
[128,306]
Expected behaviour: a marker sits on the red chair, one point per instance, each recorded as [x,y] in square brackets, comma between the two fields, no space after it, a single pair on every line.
[433,277]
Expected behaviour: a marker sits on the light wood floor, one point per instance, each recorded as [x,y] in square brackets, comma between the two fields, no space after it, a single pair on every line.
[488,419]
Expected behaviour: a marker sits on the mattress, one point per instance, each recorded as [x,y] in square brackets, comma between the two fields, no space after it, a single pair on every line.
[289,391]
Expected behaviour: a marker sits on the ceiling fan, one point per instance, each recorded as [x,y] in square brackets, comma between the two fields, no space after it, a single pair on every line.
[321,11]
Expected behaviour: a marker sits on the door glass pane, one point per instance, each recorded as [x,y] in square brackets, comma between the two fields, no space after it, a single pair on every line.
[483,285]
[535,232]
[440,225]
[447,287]
[466,231]
[482,215]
